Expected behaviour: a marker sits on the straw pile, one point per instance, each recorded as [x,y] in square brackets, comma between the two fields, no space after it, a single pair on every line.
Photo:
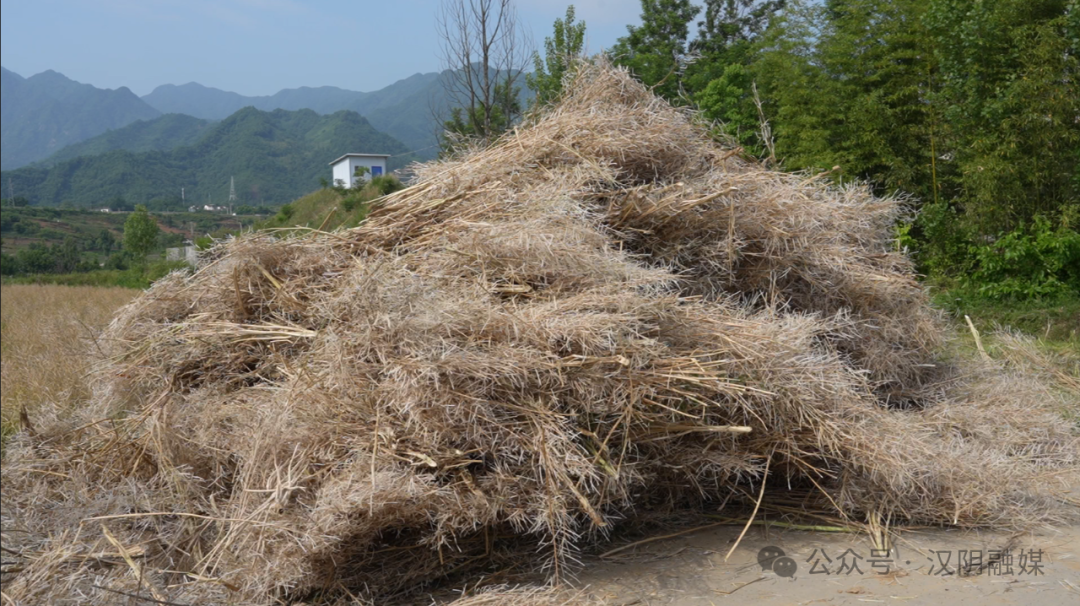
[603,316]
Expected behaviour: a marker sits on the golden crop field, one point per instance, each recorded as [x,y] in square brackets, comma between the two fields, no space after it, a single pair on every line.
[47,340]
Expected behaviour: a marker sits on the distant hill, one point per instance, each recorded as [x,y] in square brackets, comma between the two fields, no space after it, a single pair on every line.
[274,156]
[44,113]
[401,110]
[406,109]
[209,103]
[160,134]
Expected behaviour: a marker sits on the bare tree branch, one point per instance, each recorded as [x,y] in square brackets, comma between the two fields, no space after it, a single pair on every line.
[484,52]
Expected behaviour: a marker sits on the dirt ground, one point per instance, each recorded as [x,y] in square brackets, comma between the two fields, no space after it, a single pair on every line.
[689,570]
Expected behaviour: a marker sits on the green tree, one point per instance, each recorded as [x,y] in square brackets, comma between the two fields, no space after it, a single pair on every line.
[725,37]
[1009,74]
[481,122]
[727,23]
[656,50]
[561,51]
[847,83]
[104,241]
[140,232]
[728,101]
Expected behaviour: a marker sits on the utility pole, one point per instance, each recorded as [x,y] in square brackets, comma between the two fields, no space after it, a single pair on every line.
[232,193]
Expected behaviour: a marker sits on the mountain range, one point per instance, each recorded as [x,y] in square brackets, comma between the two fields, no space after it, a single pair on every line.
[46,112]
[42,114]
[274,157]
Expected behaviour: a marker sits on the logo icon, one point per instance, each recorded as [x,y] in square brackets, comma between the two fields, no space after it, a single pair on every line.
[773,558]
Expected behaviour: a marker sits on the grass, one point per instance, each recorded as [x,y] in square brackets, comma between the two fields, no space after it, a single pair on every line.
[1055,322]
[328,208]
[136,277]
[46,338]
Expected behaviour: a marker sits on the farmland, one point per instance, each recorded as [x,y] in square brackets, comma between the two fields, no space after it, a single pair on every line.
[47,343]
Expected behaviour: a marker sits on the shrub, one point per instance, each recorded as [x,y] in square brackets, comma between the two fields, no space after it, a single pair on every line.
[1029,262]
[385,184]
[284,213]
[350,202]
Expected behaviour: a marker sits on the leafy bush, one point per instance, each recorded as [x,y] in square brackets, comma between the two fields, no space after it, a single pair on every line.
[385,184]
[350,202]
[1029,262]
[945,243]
[284,213]
[119,261]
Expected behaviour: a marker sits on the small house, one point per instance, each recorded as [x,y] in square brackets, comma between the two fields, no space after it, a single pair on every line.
[343,170]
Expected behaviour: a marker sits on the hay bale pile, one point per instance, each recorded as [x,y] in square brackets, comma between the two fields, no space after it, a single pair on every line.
[605,315]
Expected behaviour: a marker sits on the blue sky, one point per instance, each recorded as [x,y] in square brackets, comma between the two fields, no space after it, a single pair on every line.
[254,47]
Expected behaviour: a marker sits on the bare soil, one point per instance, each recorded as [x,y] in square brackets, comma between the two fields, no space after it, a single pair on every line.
[690,570]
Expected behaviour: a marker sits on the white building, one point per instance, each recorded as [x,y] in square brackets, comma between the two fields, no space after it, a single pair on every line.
[343,169]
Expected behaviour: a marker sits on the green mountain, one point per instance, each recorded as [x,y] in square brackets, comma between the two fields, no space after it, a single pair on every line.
[406,109]
[401,110]
[44,113]
[160,134]
[274,156]
[209,103]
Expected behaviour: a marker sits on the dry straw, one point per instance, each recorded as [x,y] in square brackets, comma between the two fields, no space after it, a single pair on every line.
[605,315]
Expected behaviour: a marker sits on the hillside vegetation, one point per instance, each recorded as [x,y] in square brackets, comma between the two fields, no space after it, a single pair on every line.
[332,207]
[274,156]
[160,134]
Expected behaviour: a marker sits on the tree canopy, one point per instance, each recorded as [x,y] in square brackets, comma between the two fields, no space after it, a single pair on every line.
[140,232]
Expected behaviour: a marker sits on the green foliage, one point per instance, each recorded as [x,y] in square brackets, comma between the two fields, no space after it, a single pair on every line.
[140,232]
[725,37]
[377,187]
[1054,320]
[15,202]
[160,134]
[655,51]
[968,106]
[1008,92]
[1031,262]
[40,258]
[384,185]
[728,101]
[350,202]
[560,53]
[284,213]
[468,125]
[141,276]
[945,243]
[729,23]
[1035,261]
[844,84]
